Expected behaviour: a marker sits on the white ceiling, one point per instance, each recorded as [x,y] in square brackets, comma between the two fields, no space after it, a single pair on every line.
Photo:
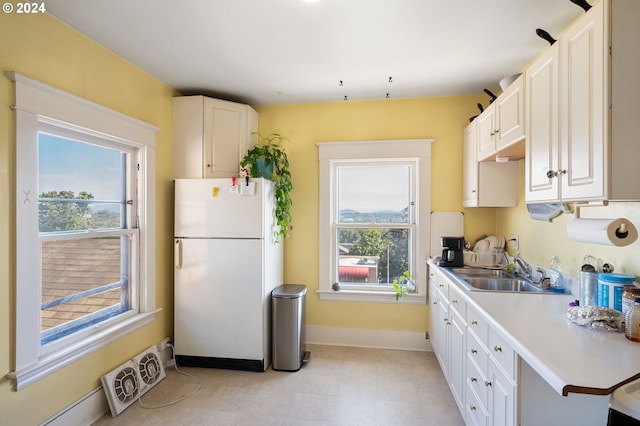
[265,52]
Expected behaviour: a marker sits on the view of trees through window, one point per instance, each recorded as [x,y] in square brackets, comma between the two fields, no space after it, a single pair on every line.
[61,211]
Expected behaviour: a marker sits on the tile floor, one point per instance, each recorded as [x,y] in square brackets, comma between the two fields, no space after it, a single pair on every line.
[339,386]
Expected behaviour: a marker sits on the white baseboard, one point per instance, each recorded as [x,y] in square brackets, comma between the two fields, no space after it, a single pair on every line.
[84,411]
[366,338]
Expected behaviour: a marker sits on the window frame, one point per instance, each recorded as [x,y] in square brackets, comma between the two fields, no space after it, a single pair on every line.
[36,106]
[330,154]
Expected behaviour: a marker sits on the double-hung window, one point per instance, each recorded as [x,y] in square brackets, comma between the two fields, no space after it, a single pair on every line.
[85,228]
[374,201]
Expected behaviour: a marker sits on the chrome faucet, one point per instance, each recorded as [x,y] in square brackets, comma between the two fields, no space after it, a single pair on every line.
[526,268]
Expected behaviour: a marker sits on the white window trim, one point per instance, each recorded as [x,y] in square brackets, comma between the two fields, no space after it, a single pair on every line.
[36,102]
[329,152]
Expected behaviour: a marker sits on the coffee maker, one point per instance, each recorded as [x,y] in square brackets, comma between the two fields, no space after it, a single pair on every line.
[452,252]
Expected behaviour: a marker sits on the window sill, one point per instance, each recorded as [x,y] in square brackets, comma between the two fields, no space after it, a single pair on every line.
[54,361]
[371,297]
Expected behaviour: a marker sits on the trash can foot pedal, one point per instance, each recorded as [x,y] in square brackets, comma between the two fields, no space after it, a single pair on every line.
[306,357]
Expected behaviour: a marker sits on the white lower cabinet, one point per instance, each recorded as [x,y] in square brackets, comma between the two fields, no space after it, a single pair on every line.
[448,334]
[479,365]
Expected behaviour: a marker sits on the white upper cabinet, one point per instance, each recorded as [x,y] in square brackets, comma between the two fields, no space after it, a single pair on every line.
[210,136]
[501,125]
[486,184]
[588,81]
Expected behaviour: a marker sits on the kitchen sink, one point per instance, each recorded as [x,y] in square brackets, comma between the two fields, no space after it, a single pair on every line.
[497,280]
[501,284]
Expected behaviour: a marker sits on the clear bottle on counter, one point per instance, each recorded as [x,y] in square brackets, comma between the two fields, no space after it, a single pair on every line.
[632,321]
[555,275]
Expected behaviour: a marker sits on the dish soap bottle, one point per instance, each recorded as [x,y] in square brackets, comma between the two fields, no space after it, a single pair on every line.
[555,275]
[632,321]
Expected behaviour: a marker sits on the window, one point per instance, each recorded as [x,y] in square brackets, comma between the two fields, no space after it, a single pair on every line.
[86,231]
[85,228]
[374,200]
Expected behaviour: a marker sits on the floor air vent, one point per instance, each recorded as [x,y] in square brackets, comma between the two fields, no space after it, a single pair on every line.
[125,384]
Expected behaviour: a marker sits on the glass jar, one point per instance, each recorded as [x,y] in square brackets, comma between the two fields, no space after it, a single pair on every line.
[632,321]
[628,296]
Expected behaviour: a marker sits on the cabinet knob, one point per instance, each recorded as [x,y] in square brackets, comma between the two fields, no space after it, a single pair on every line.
[497,348]
[440,285]
[472,407]
[496,131]
[454,301]
[435,303]
[209,166]
[562,172]
[474,351]
[473,379]
[551,174]
[487,383]
[474,322]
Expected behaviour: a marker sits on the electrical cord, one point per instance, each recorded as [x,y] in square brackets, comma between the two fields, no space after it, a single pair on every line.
[175,365]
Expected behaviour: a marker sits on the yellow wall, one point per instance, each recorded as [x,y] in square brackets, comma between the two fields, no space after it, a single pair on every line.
[440,118]
[540,240]
[41,47]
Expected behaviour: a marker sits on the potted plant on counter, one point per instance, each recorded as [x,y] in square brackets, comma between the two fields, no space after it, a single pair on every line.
[269,160]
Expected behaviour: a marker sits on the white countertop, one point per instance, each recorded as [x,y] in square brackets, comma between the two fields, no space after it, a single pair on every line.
[569,357]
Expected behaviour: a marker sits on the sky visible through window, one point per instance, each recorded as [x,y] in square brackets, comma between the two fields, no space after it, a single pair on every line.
[66,165]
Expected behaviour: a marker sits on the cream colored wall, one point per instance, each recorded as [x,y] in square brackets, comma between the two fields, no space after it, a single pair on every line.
[440,118]
[41,47]
[540,240]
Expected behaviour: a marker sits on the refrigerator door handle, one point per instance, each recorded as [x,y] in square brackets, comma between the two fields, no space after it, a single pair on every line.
[177,254]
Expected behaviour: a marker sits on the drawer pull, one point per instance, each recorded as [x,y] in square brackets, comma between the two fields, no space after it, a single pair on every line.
[473,379]
[497,348]
[474,322]
[487,384]
[472,407]
[474,351]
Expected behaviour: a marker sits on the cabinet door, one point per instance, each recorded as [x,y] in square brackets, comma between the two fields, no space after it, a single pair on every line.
[502,397]
[470,167]
[442,336]
[486,133]
[457,367]
[227,127]
[542,133]
[434,326]
[510,115]
[582,108]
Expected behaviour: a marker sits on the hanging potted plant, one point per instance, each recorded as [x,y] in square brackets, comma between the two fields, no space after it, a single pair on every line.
[267,159]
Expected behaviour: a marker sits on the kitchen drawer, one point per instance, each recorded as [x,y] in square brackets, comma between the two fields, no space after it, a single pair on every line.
[457,302]
[475,413]
[477,324]
[477,381]
[503,353]
[478,353]
[443,290]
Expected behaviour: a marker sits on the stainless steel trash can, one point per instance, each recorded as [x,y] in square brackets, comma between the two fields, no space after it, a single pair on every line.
[288,315]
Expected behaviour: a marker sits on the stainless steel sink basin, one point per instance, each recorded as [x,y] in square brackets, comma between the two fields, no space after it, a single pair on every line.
[501,284]
[480,272]
[496,280]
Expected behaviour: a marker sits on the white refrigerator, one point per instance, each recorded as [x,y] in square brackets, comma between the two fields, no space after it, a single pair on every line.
[226,263]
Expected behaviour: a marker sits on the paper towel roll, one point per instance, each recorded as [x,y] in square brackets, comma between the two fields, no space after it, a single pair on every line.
[613,232]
